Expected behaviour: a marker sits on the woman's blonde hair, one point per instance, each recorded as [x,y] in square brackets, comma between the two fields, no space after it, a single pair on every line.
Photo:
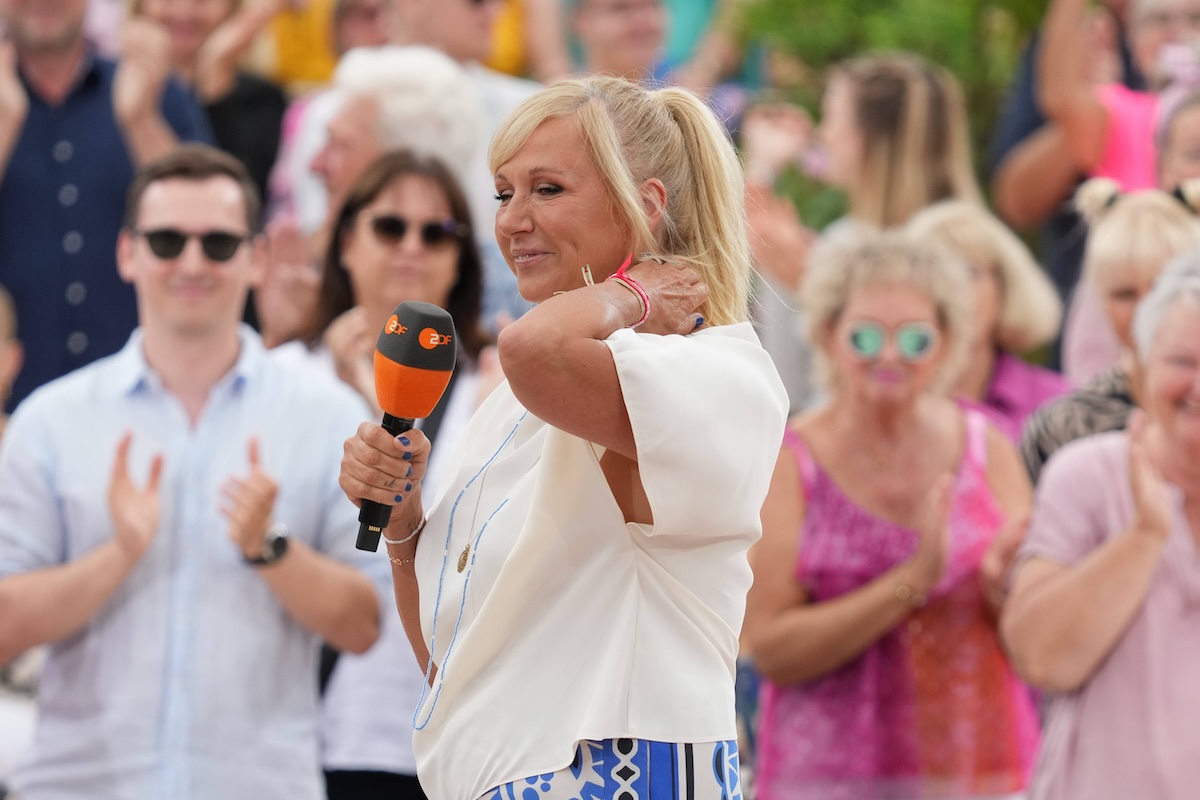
[8,316]
[1138,232]
[634,134]
[916,149]
[1030,310]
[871,258]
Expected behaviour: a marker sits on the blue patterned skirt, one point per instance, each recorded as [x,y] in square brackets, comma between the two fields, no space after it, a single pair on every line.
[635,769]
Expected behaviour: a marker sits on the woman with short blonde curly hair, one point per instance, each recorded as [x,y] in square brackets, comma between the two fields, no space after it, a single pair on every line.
[1015,309]
[887,531]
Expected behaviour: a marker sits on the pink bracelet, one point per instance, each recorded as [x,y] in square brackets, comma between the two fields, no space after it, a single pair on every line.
[632,285]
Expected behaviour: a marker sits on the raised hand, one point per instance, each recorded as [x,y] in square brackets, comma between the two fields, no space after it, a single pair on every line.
[774,136]
[288,294]
[779,241]
[219,56]
[676,293]
[1151,496]
[247,503]
[142,70]
[993,569]
[134,511]
[14,102]
[933,550]
[352,345]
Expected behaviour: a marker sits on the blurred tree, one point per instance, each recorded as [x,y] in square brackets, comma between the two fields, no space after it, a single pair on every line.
[980,41]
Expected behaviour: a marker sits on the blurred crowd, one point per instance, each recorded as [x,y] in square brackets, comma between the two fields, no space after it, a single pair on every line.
[978,575]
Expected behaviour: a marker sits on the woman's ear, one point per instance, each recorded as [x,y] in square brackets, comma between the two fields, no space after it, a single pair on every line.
[654,202]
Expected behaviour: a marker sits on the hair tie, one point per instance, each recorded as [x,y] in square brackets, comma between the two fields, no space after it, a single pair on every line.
[632,285]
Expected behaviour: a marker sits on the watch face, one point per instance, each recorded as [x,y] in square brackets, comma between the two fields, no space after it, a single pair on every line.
[276,546]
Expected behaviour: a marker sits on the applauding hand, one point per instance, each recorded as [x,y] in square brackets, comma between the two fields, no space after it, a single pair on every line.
[135,512]
[1151,498]
[247,503]
[142,70]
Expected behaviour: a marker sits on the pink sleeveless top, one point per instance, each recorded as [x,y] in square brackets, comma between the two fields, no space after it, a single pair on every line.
[930,710]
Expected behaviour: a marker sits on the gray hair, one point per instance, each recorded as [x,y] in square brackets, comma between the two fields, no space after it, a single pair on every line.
[426,101]
[1179,282]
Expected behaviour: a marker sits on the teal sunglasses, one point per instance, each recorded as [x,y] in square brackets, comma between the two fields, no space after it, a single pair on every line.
[915,341]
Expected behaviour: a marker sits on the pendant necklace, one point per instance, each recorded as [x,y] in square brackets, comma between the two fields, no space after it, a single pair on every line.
[466,560]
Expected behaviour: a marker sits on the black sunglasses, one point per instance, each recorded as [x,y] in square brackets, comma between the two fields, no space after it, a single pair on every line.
[391,230]
[169,243]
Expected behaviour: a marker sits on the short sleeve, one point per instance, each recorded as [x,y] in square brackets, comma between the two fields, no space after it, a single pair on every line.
[1071,506]
[31,529]
[708,412]
[1128,156]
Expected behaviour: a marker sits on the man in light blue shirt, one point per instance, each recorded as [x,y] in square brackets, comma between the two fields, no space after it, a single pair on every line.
[171,525]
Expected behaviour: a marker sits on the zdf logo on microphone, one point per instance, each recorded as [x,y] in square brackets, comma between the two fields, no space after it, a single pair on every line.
[394,326]
[430,339]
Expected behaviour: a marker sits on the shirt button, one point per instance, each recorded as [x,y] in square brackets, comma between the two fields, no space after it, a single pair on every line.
[76,293]
[63,151]
[77,342]
[73,242]
[68,195]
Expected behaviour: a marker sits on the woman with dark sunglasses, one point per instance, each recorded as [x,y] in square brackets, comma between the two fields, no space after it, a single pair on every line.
[402,233]
[889,524]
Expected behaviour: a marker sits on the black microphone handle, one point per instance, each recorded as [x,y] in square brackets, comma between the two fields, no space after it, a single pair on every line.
[373,517]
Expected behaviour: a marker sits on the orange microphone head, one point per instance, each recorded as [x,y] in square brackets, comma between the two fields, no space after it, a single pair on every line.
[414,359]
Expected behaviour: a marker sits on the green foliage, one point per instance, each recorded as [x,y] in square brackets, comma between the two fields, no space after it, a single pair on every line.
[980,41]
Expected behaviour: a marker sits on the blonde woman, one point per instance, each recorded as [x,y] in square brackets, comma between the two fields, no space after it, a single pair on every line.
[886,535]
[1014,309]
[894,128]
[578,587]
[1132,237]
[208,39]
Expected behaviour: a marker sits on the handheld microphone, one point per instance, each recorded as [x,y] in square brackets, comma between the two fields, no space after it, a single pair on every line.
[414,358]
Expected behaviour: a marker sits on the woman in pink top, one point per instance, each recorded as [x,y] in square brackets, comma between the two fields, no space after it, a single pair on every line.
[886,532]
[1105,607]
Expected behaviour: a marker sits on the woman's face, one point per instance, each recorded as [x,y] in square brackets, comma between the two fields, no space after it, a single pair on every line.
[1120,292]
[1180,159]
[387,272]
[188,22]
[839,133]
[1153,24]
[1171,379]
[897,315]
[556,214]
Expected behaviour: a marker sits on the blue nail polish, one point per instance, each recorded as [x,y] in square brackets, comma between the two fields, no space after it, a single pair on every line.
[409,473]
[407,456]
[699,321]
[408,487]
[399,498]
[402,440]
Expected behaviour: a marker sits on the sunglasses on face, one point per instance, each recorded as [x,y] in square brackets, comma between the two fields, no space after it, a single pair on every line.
[390,230]
[167,243]
[914,340]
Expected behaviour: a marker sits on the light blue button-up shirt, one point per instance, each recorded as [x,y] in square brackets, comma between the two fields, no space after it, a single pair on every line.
[192,681]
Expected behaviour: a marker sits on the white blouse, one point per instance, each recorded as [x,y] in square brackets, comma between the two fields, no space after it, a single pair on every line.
[565,622]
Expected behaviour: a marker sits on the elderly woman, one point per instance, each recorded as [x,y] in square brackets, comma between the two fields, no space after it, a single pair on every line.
[1103,607]
[1132,237]
[578,588]
[886,533]
[403,232]
[1014,309]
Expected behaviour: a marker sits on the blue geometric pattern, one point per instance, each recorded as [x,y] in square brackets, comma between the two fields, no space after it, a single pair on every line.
[636,769]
